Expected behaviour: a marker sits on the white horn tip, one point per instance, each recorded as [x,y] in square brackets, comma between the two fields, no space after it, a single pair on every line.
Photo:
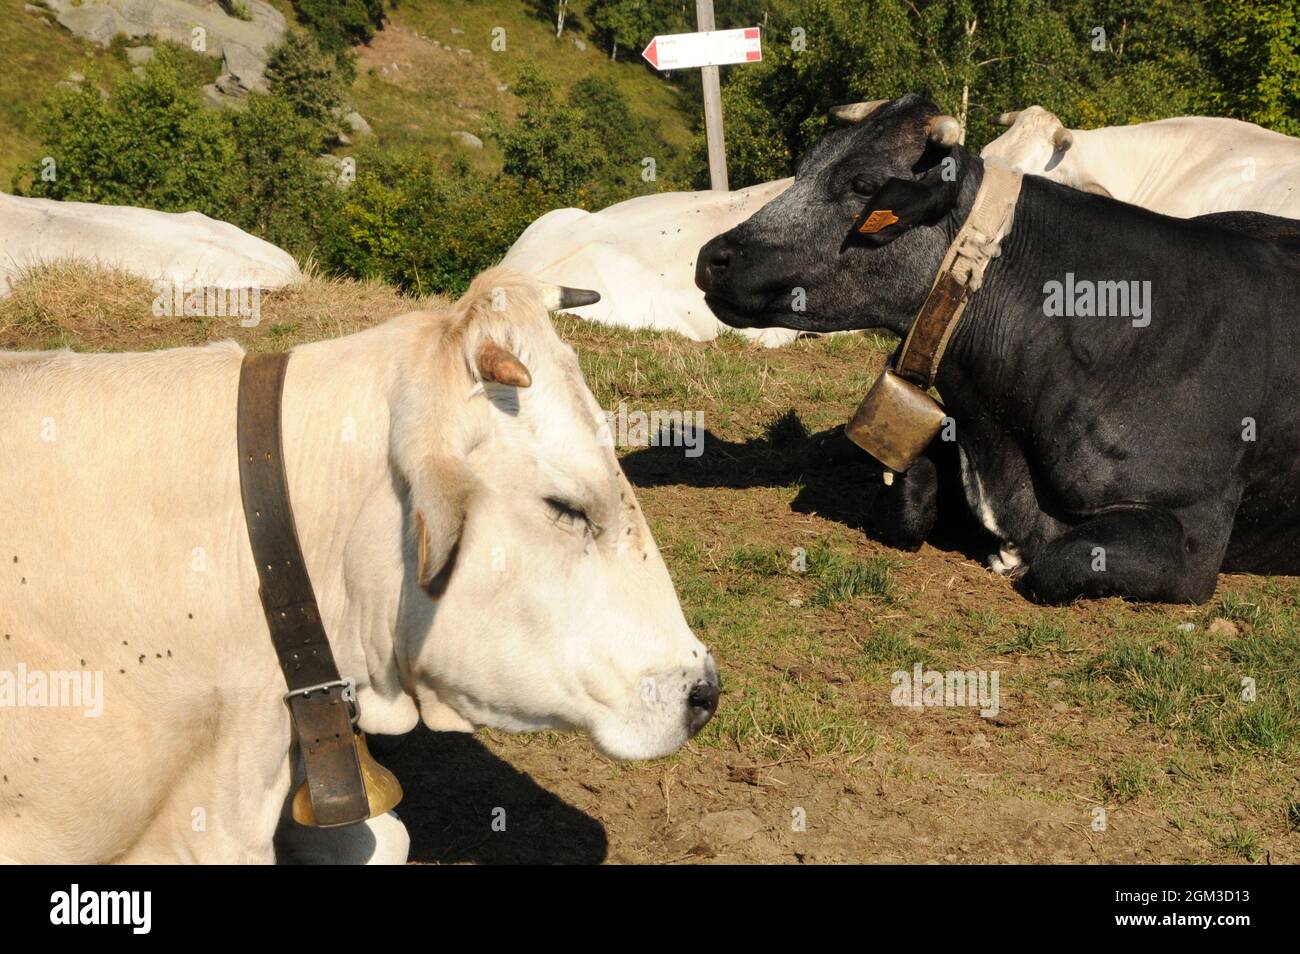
[561,297]
[945,131]
[856,112]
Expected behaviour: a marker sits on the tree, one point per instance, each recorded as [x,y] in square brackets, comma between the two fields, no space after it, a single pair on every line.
[310,81]
[340,23]
[1255,52]
[631,24]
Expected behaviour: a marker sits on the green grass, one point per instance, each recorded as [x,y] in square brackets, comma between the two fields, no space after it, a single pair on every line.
[1039,637]
[1194,685]
[841,578]
[1131,778]
[776,720]
[37,54]
[1243,842]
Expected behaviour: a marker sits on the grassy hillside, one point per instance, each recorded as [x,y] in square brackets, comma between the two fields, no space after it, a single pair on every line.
[35,54]
[433,90]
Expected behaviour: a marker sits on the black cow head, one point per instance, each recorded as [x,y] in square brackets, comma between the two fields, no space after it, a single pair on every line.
[802,261]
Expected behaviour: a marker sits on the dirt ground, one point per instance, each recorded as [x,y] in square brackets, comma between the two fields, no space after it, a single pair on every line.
[955,788]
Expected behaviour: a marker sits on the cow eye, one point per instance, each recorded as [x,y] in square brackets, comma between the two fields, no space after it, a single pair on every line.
[570,515]
[861,187]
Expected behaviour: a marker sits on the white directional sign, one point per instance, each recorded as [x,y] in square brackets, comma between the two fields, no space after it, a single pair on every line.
[679,51]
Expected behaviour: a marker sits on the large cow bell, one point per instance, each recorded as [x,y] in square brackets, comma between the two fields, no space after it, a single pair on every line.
[895,421]
[383,791]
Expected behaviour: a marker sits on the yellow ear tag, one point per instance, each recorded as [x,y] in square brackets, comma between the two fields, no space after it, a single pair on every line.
[877,220]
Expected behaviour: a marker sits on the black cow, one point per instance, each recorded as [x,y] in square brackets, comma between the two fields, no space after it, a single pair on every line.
[1134,455]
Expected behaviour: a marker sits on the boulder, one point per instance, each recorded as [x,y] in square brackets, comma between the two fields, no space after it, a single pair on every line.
[357,123]
[467,139]
[243,45]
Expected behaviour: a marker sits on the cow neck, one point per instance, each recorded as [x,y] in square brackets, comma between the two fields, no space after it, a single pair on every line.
[960,275]
[898,418]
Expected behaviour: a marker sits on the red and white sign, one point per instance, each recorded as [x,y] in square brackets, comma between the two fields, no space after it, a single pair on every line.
[679,51]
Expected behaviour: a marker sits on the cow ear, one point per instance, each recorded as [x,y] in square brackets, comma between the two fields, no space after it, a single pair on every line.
[903,204]
[438,518]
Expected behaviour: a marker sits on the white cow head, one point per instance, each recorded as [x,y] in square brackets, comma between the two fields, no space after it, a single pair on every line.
[551,605]
[1037,143]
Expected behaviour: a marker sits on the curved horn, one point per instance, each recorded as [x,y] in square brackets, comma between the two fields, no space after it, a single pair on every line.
[1062,139]
[497,364]
[944,131]
[856,112]
[1008,119]
[561,297]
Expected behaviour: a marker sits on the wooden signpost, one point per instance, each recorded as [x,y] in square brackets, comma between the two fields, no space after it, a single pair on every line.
[707,50]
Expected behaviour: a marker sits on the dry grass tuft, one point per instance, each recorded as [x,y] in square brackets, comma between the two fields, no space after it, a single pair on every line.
[77,306]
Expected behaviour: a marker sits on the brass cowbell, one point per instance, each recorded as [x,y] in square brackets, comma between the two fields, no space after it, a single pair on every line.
[383,791]
[895,422]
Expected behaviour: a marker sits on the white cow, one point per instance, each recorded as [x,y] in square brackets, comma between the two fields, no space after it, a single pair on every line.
[541,599]
[640,256]
[1188,166]
[180,247]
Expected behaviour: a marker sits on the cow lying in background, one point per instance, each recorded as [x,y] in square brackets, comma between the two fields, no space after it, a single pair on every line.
[185,248]
[1134,455]
[536,597]
[640,256]
[1185,167]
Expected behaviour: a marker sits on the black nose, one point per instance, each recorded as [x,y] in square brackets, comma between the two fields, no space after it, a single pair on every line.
[702,703]
[715,258]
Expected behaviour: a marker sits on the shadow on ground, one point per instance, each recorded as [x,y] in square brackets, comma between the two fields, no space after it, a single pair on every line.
[455,787]
[840,487]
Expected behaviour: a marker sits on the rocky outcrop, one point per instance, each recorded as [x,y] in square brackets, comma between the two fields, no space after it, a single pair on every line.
[203,25]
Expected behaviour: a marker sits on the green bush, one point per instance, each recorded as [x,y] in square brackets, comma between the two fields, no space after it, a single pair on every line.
[340,23]
[411,222]
[313,82]
[150,144]
[585,150]
[153,144]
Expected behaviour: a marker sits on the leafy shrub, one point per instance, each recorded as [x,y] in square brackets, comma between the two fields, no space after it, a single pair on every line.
[150,144]
[585,150]
[313,83]
[153,144]
[411,222]
[340,23]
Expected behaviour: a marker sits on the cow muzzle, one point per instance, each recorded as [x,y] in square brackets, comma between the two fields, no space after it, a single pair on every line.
[702,701]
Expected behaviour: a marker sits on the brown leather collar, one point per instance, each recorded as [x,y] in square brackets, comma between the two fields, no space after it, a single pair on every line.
[961,273]
[321,702]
